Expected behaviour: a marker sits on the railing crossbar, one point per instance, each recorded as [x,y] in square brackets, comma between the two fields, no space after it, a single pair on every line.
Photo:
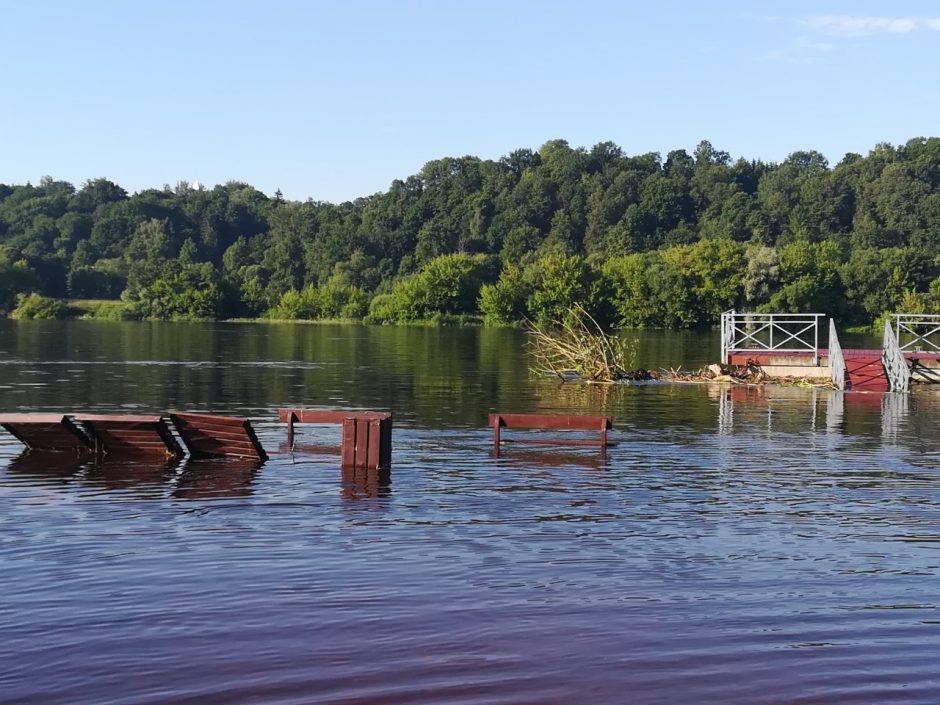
[748,336]
[917,337]
[764,345]
[757,332]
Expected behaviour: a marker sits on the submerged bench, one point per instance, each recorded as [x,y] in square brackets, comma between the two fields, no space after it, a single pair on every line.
[130,435]
[367,435]
[211,436]
[46,432]
[602,424]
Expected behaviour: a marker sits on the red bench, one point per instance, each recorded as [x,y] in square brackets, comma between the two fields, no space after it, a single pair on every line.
[602,424]
[46,432]
[211,436]
[367,435]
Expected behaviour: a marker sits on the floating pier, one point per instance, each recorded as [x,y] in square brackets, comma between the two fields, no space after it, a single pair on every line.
[788,345]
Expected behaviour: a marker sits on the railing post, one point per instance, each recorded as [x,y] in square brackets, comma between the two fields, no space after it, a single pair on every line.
[816,341]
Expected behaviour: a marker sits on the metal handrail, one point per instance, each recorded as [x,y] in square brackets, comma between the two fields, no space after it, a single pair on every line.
[899,374]
[920,327]
[754,332]
[836,358]
[726,317]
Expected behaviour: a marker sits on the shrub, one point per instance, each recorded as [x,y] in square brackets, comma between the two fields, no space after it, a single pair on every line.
[34,306]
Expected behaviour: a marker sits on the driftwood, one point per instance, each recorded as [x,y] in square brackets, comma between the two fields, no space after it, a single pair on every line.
[751,373]
[578,349]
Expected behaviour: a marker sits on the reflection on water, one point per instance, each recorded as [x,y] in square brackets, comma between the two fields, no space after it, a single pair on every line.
[143,477]
[366,483]
[739,545]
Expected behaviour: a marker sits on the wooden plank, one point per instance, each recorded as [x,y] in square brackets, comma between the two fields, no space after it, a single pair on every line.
[203,420]
[553,421]
[556,442]
[53,419]
[48,432]
[362,443]
[374,452]
[348,450]
[209,435]
[130,434]
[228,434]
[600,424]
[334,416]
[121,419]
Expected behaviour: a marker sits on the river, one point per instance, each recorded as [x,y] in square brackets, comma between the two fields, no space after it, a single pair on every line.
[739,545]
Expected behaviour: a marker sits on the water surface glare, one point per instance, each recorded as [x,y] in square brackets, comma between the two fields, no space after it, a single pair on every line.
[738,546]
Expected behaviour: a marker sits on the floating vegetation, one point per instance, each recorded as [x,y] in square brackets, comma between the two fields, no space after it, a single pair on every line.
[578,349]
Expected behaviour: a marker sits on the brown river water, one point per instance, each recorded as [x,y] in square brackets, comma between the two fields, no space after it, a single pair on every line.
[740,545]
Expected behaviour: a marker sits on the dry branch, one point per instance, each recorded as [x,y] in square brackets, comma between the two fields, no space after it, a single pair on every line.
[579,347]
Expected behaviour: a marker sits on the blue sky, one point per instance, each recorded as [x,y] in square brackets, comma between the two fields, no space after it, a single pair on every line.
[332,101]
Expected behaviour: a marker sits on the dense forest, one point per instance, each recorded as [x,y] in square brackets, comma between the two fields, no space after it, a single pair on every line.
[637,240]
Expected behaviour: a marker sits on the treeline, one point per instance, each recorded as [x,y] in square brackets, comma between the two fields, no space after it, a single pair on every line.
[637,240]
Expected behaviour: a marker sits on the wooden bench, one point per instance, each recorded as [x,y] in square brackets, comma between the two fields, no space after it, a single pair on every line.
[211,436]
[54,432]
[130,435]
[551,421]
[366,438]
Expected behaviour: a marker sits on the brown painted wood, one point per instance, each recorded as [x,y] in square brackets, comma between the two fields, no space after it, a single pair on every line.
[130,434]
[559,421]
[550,421]
[119,419]
[362,443]
[209,435]
[335,416]
[385,443]
[46,432]
[555,442]
[366,435]
[375,443]
[348,450]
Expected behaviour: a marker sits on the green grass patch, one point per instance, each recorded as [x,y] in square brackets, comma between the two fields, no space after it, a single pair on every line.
[98,309]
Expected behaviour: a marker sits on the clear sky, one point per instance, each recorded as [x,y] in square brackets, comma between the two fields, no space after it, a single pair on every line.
[332,101]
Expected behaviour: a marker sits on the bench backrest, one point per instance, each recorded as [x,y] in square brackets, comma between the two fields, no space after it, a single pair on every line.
[130,435]
[46,432]
[327,415]
[213,436]
[561,421]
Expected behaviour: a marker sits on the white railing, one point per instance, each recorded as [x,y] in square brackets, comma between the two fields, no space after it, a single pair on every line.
[899,374]
[726,317]
[836,358]
[770,332]
[917,332]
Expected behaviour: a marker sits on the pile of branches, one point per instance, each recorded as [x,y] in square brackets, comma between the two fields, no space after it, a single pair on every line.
[579,349]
